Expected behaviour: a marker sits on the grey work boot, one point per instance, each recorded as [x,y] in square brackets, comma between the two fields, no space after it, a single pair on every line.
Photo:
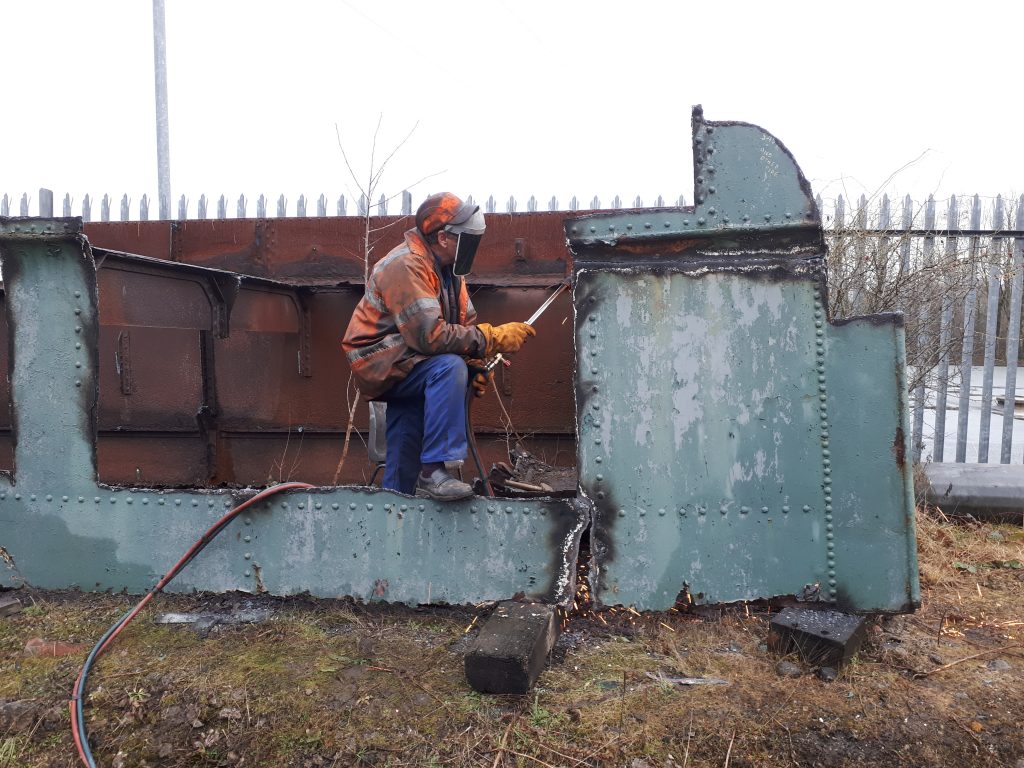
[442,487]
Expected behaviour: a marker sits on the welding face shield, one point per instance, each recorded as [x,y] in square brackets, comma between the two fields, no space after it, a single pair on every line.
[468,235]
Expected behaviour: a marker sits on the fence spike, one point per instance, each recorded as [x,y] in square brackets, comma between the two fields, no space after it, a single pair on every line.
[261,206]
[144,208]
[124,208]
[5,205]
[840,215]
[321,205]
[490,204]
[574,204]
[595,203]
[637,202]
[616,203]
[659,202]
[382,206]
[300,206]
[818,204]
[361,207]
[531,204]
[406,202]
[46,203]
[67,205]
[240,209]
[182,208]
[342,206]
[105,207]
[87,208]
[883,214]
[24,204]
[222,207]
[682,201]
[510,206]
[201,208]
[553,203]
[282,206]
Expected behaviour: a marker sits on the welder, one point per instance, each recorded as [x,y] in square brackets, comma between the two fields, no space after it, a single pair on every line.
[409,340]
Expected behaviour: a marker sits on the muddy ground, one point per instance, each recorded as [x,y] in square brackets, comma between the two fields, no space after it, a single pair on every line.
[334,683]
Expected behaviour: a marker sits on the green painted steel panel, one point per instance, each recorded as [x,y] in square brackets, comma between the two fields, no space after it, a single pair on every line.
[60,528]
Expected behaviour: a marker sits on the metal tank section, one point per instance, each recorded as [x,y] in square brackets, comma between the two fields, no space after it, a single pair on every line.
[734,443]
[60,527]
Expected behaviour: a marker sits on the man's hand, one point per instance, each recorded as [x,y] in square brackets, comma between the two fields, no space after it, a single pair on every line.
[480,377]
[507,338]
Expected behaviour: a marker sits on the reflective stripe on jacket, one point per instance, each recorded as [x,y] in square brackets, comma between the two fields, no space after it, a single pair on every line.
[405,315]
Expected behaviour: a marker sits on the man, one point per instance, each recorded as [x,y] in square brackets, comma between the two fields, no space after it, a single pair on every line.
[408,339]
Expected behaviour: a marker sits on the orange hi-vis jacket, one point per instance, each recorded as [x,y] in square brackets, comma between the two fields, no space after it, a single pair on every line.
[405,316]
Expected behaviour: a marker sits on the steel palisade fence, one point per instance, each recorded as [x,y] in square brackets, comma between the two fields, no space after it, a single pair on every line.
[953,269]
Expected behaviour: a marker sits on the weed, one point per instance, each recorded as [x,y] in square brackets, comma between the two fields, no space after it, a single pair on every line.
[10,751]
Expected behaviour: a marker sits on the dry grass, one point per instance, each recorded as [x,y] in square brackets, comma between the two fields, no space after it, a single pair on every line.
[331,683]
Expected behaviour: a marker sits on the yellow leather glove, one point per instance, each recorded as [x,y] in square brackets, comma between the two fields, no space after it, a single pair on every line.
[507,338]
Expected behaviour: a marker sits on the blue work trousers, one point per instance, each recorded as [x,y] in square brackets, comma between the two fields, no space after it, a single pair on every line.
[426,420]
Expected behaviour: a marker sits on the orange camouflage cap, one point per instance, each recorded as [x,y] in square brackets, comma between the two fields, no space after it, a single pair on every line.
[441,209]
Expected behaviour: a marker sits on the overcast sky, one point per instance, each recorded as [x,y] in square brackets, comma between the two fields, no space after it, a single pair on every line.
[510,97]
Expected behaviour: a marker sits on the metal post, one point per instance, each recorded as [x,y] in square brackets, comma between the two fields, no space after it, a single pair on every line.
[945,327]
[967,348]
[991,328]
[1013,337]
[163,142]
[923,362]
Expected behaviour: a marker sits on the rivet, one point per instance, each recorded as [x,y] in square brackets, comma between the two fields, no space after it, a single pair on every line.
[629,226]
[767,217]
[709,129]
[334,505]
[593,229]
[700,179]
[597,460]
[129,500]
[817,312]
[352,505]
[823,398]
[745,217]
[828,499]
[63,498]
[712,211]
[807,507]
[622,513]
[195,502]
[643,513]
[701,220]
[177,502]
[248,555]
[49,497]
[723,509]
[318,505]
[491,510]
[369,506]
[160,502]
[826,453]
[508,510]
[702,510]
[599,477]
[828,509]
[78,294]
[17,497]
[826,462]
[829,527]
[302,505]
[682,512]
[710,169]
[248,521]
[78,364]
[831,546]
[744,510]
[81,499]
[668,224]
[821,387]
[543,511]
[597,441]
[832,583]
[209,502]
[421,507]
[711,191]
[698,140]
[819,332]
[574,230]
[817,323]
[248,572]
[827,470]
[78,329]
[830,536]
[686,222]
[593,334]
[227,503]
[596,406]
[472,510]
[526,510]
[647,225]
[764,510]
[593,353]
[821,377]
[113,499]
[785,508]
[661,512]
[595,370]
[832,573]
[592,318]
[78,311]
[611,227]
[78,382]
